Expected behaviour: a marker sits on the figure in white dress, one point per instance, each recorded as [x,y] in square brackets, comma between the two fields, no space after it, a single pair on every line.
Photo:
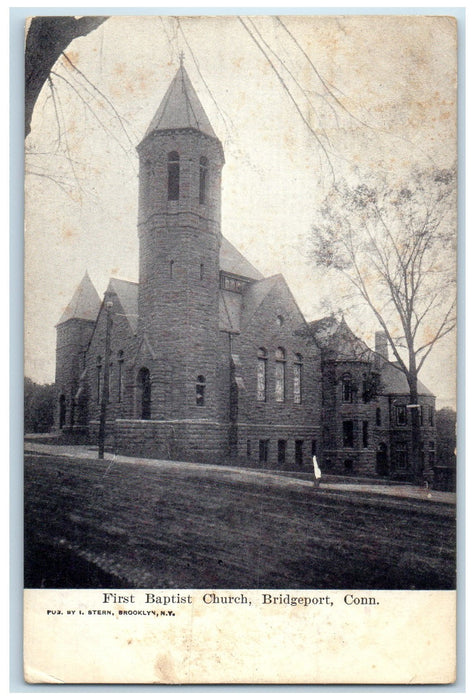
[316,472]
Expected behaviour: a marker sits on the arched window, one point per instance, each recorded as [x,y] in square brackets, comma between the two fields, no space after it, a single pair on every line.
[200,390]
[298,378]
[173,176]
[170,271]
[280,375]
[120,370]
[262,374]
[203,179]
[346,389]
[378,416]
[401,415]
[145,393]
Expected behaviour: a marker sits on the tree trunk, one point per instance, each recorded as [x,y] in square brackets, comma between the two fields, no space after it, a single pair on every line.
[415,461]
[47,38]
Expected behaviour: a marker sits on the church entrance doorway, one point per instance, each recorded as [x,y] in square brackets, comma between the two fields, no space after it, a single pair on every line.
[145,394]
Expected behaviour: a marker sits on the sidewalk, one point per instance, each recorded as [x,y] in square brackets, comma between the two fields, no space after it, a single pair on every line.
[394,490]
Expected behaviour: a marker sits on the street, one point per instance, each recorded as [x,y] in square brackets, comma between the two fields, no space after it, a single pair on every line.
[92,524]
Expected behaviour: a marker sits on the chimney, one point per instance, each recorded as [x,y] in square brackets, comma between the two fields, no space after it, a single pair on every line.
[381,344]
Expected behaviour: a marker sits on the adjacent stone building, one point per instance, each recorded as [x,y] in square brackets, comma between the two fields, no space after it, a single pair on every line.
[365,399]
[206,358]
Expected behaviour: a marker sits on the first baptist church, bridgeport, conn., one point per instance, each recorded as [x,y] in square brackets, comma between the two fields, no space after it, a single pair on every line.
[208,360]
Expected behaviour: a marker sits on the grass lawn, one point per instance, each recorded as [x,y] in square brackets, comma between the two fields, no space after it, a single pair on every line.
[93,524]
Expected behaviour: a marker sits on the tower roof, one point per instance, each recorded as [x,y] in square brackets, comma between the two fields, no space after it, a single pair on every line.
[180,108]
[85,303]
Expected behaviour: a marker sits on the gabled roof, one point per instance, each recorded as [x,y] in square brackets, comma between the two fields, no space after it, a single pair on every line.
[231,260]
[254,295]
[180,108]
[394,382]
[338,341]
[85,303]
[127,293]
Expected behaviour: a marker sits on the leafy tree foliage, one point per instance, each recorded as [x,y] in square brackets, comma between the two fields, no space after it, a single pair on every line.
[39,402]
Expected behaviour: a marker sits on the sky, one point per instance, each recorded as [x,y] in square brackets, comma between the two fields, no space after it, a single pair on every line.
[370,94]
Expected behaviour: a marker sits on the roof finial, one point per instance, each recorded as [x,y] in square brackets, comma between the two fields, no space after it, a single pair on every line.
[182,58]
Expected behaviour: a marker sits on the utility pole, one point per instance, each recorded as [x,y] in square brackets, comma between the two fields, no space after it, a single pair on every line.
[105,388]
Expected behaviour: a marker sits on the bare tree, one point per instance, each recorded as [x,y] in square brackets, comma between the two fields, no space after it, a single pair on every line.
[46,39]
[395,245]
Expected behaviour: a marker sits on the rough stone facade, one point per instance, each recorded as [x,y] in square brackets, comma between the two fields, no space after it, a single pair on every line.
[209,361]
[365,415]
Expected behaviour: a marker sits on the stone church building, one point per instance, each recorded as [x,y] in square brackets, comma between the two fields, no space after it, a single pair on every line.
[207,359]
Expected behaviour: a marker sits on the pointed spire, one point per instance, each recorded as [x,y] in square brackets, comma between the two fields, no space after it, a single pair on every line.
[85,303]
[181,107]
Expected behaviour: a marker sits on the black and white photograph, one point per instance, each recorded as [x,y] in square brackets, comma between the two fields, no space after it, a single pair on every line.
[240,327]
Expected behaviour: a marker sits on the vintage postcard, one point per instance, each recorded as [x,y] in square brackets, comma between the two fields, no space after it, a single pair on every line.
[240,349]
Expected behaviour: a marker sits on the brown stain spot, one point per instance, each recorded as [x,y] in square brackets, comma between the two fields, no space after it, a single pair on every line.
[163,668]
[129,641]
[119,68]
[68,233]
[73,57]
[114,270]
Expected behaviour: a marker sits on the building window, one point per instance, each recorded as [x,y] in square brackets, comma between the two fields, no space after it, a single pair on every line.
[314,448]
[280,320]
[200,390]
[401,460]
[298,379]
[431,416]
[280,375]
[145,390]
[366,389]
[202,271]
[348,465]
[378,416]
[263,450]
[346,389]
[281,450]
[99,378]
[262,374]
[232,284]
[170,271]
[365,433]
[401,415]
[431,454]
[299,452]
[203,178]
[120,365]
[348,436]
[248,449]
[421,415]
[173,176]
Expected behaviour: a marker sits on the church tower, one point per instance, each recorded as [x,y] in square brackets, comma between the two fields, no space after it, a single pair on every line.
[179,229]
